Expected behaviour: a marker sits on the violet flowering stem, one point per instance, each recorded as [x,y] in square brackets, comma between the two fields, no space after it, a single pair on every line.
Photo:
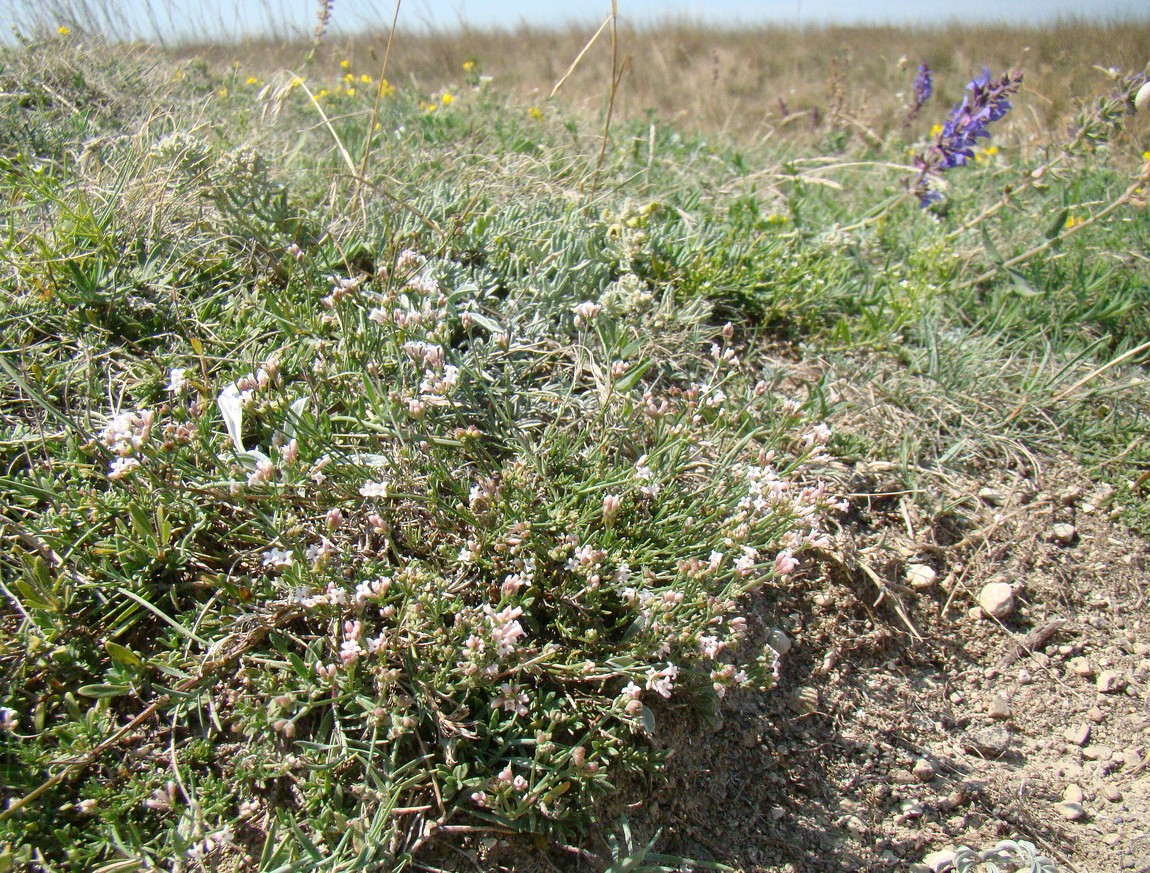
[1122,200]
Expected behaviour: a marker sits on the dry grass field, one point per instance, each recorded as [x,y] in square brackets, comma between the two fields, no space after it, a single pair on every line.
[751,84]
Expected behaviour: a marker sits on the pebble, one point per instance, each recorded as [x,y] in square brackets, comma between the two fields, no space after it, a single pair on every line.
[912,808]
[999,707]
[1077,734]
[996,599]
[1112,839]
[1132,759]
[904,777]
[1063,533]
[1081,667]
[780,642]
[1110,682]
[989,742]
[921,576]
[924,770]
[992,496]
[1071,495]
[1098,753]
[1111,793]
[1073,794]
[1095,715]
[1072,811]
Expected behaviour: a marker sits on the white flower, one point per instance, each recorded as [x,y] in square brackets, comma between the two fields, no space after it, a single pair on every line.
[277,558]
[121,467]
[373,489]
[177,381]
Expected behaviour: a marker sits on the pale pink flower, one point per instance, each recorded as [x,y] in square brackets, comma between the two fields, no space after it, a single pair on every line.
[662,681]
[121,467]
[586,312]
[512,699]
[785,563]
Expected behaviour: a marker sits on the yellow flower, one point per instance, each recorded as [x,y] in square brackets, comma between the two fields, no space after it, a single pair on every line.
[468,66]
[252,80]
[296,81]
[385,88]
[1072,220]
[63,30]
[322,92]
[351,92]
[447,99]
[223,92]
[536,113]
[365,78]
[775,218]
[344,64]
[936,130]
[1146,156]
[349,77]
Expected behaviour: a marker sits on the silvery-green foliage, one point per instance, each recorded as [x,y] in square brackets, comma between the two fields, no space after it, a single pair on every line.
[1008,856]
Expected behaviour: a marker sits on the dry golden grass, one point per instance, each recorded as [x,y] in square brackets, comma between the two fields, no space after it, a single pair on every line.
[748,83]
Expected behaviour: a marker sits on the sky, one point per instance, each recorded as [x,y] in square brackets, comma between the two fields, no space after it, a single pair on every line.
[245,16]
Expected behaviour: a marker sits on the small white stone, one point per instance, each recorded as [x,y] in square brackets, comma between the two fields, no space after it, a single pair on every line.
[924,770]
[999,707]
[1081,667]
[1111,793]
[996,599]
[1063,533]
[1073,794]
[992,496]
[1071,811]
[1078,734]
[921,576]
[1110,682]
[780,642]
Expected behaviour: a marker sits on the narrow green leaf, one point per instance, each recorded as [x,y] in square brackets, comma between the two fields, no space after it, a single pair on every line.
[103,689]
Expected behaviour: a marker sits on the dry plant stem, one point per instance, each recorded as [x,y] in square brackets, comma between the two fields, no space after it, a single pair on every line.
[616,78]
[323,115]
[579,57]
[1062,395]
[1122,200]
[375,104]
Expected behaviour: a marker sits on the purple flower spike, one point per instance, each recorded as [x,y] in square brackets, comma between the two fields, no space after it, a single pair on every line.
[965,125]
[923,88]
